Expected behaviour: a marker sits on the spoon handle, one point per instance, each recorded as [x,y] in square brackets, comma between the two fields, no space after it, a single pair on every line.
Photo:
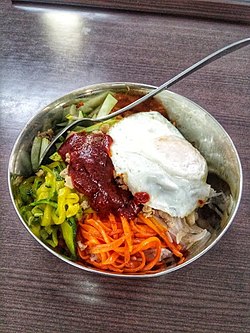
[203,62]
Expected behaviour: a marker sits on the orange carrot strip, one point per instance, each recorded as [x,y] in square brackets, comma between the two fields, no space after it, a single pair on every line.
[153,262]
[83,255]
[100,223]
[147,244]
[99,226]
[92,242]
[127,253]
[115,235]
[117,265]
[127,233]
[181,260]
[139,267]
[152,224]
[92,230]
[111,259]
[88,236]
[115,231]
[116,270]
[120,250]
[155,225]
[104,256]
[113,222]
[108,247]
[142,229]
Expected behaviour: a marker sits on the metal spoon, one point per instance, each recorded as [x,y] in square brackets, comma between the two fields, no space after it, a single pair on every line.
[85,122]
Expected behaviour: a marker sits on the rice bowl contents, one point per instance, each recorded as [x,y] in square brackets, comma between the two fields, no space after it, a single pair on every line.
[122,196]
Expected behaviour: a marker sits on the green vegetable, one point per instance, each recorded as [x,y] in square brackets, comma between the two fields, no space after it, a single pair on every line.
[35,152]
[49,235]
[45,204]
[44,145]
[37,211]
[107,106]
[38,147]
[56,157]
[73,114]
[35,228]
[37,183]
[26,190]
[68,228]
[93,102]
[90,104]
[27,215]
[96,126]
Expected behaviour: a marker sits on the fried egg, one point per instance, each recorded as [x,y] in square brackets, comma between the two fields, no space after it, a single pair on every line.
[152,156]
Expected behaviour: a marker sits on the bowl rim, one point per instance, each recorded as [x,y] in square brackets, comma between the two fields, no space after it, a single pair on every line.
[94,88]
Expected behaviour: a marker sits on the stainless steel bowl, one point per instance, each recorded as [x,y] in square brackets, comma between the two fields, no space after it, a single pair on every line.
[197,126]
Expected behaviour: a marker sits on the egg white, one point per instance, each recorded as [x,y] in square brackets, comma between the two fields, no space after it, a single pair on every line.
[152,156]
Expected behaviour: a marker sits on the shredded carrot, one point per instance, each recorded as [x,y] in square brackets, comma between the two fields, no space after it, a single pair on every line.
[162,231]
[127,233]
[125,246]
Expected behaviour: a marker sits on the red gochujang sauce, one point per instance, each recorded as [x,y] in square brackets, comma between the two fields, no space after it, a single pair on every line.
[149,105]
[92,174]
